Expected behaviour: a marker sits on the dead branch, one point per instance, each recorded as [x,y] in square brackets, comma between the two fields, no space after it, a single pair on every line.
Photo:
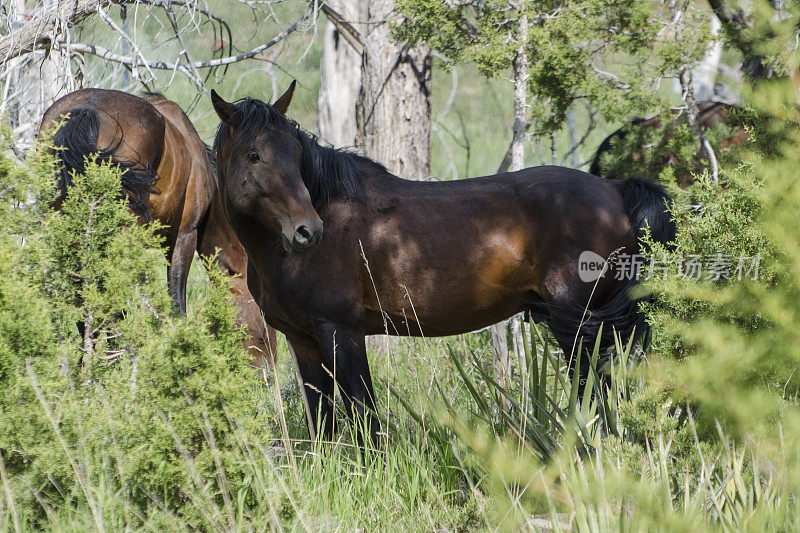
[101,12]
[38,32]
[185,68]
[345,29]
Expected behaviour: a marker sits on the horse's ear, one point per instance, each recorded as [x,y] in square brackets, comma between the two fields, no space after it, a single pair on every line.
[282,103]
[224,109]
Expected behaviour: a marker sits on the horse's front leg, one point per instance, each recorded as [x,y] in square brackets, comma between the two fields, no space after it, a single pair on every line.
[317,381]
[345,351]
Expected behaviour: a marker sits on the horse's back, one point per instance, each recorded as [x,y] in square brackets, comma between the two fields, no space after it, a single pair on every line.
[544,191]
[544,181]
[129,125]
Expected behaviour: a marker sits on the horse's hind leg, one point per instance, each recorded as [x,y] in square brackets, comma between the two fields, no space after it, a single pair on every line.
[317,381]
[179,266]
[576,334]
[566,313]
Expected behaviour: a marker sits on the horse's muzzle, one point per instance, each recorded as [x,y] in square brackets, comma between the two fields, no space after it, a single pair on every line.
[305,238]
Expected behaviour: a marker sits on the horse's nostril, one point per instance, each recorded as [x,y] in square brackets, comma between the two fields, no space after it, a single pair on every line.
[303,235]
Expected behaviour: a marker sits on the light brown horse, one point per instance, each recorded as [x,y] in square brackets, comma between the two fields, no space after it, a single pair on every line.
[167,176]
[412,258]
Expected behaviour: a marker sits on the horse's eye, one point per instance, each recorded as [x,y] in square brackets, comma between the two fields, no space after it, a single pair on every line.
[253,157]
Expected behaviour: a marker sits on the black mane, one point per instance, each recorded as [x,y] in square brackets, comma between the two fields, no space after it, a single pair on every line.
[328,173]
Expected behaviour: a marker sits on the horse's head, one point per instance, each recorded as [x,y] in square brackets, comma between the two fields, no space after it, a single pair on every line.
[258,161]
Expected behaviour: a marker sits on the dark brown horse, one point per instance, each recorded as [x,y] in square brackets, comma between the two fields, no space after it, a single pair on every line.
[412,258]
[710,113]
[167,176]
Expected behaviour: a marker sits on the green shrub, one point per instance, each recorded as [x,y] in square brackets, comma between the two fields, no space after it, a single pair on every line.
[141,398]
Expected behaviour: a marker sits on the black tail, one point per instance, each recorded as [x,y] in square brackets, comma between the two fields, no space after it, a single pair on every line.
[77,139]
[605,147]
[647,205]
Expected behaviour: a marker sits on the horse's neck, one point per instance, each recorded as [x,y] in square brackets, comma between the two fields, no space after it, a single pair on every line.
[378,180]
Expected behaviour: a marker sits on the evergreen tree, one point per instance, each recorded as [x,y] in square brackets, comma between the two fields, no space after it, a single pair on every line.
[99,378]
[607,53]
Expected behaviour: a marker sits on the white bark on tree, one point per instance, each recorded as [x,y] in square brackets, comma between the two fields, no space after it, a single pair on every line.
[704,149]
[520,96]
[703,146]
[519,133]
[35,80]
[339,87]
[395,106]
[705,75]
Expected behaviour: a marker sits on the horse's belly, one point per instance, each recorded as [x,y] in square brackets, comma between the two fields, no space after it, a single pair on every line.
[450,301]
[452,321]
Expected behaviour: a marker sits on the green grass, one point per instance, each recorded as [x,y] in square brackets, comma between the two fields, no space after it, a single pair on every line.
[461,453]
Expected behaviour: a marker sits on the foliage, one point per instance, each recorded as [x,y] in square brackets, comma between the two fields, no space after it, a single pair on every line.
[744,330]
[571,47]
[667,153]
[148,391]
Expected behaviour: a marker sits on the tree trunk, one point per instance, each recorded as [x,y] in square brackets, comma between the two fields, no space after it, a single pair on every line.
[34,82]
[520,97]
[393,109]
[677,9]
[705,75]
[737,26]
[499,331]
[340,83]
[704,149]
[395,105]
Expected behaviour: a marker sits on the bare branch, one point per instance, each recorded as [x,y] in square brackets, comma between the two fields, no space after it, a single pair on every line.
[198,81]
[101,12]
[185,68]
[345,29]
[38,32]
[618,84]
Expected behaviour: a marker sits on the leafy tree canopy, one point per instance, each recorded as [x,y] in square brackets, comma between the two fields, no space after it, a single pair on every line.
[609,53]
